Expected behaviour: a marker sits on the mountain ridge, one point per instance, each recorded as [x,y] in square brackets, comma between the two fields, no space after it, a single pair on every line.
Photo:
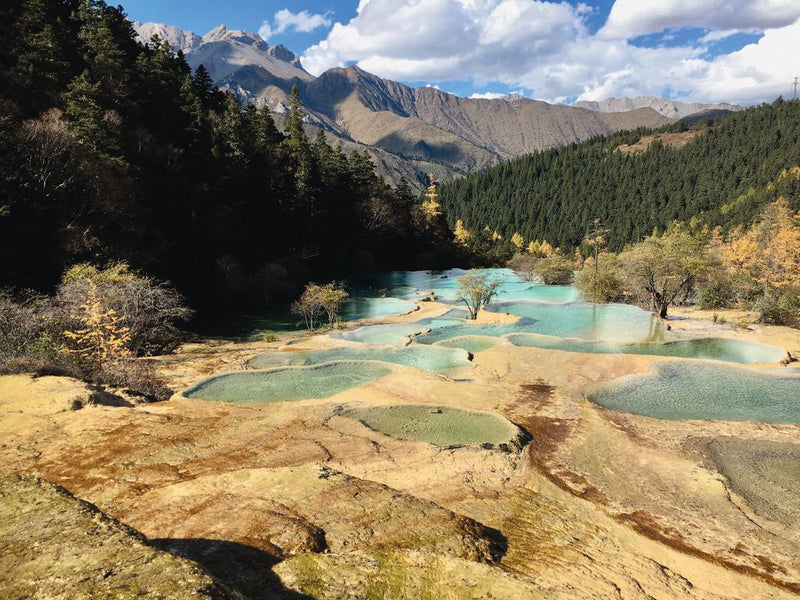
[425,129]
[673,109]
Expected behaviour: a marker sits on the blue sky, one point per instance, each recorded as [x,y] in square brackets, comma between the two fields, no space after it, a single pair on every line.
[745,51]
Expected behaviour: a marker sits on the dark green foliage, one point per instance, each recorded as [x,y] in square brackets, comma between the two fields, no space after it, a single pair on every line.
[114,150]
[780,307]
[555,194]
[719,293]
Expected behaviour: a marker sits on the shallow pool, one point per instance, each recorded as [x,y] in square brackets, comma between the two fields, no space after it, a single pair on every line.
[436,425]
[406,284]
[592,322]
[470,343]
[395,333]
[366,307]
[687,390]
[735,351]
[287,384]
[427,358]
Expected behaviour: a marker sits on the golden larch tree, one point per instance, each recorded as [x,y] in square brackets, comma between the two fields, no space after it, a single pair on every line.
[101,336]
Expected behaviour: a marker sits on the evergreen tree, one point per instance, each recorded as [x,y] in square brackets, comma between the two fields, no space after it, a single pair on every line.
[92,125]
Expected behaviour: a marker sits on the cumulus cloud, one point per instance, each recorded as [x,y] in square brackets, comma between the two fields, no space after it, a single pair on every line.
[631,18]
[757,72]
[546,47]
[487,96]
[303,21]
[265,31]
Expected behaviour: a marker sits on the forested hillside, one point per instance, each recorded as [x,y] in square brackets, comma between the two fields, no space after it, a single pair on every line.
[114,150]
[555,195]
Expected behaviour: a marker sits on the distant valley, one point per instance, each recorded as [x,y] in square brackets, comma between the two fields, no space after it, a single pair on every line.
[408,132]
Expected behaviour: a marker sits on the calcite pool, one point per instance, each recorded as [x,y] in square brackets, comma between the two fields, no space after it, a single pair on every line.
[287,384]
[427,358]
[437,425]
[547,317]
[682,390]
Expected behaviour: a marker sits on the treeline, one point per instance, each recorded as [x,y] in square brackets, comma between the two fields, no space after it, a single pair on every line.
[756,269]
[112,150]
[554,195]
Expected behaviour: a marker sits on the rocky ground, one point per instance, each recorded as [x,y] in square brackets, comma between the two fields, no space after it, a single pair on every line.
[57,546]
[295,500]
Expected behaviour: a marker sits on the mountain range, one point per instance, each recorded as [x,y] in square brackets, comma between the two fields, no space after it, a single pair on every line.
[672,109]
[409,132]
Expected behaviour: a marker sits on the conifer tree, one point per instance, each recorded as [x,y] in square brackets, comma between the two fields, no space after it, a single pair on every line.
[100,336]
[91,124]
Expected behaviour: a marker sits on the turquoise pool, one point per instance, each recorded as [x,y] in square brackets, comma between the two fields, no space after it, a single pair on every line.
[405,284]
[735,351]
[396,333]
[427,358]
[692,390]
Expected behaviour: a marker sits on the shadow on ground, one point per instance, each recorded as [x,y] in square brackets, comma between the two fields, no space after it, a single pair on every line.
[243,568]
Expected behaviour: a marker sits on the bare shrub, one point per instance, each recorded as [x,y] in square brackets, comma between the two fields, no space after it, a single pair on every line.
[137,377]
[149,308]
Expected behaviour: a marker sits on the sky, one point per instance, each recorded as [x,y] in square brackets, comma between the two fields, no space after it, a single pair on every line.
[742,51]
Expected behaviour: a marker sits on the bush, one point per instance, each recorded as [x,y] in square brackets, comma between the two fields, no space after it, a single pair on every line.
[150,308]
[20,326]
[555,270]
[602,284]
[719,293]
[317,300]
[137,377]
[780,308]
[522,265]
[79,335]
[31,339]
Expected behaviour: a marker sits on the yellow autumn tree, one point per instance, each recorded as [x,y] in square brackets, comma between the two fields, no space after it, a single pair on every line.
[430,206]
[533,248]
[518,241]
[100,337]
[461,233]
[769,252]
[764,263]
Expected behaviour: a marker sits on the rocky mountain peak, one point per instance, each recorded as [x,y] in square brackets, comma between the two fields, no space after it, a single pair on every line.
[179,39]
[222,34]
[281,52]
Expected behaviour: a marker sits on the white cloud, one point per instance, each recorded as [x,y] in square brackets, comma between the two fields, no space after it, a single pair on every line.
[757,72]
[487,96]
[265,31]
[302,21]
[631,18]
[545,47]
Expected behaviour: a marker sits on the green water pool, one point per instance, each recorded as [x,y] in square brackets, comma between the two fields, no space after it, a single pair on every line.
[440,426]
[681,390]
[287,384]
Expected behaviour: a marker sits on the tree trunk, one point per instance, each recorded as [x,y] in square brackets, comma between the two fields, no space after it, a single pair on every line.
[660,305]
